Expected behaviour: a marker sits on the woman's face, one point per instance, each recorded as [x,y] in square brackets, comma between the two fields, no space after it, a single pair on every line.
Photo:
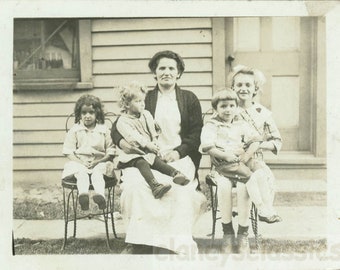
[166,72]
[244,86]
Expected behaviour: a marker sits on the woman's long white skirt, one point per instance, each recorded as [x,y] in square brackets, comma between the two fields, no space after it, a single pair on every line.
[165,222]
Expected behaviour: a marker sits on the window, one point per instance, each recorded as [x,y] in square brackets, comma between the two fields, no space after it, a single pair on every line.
[47,54]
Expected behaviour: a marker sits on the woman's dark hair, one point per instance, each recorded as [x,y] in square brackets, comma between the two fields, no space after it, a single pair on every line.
[89,100]
[154,61]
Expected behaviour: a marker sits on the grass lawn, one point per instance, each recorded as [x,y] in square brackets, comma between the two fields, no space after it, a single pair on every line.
[98,246]
[46,204]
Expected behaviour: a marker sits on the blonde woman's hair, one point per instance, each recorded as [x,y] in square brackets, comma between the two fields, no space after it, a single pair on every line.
[259,78]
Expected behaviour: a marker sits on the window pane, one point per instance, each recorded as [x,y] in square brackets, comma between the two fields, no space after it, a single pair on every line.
[45,48]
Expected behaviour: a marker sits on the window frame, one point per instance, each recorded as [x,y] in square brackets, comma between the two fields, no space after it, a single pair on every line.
[83,82]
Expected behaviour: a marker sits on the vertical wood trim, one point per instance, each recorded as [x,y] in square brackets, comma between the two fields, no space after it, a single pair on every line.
[229,42]
[307,36]
[85,51]
[266,46]
[266,34]
[320,91]
[218,53]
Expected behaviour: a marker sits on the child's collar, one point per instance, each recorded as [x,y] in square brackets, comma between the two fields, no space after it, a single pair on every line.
[98,128]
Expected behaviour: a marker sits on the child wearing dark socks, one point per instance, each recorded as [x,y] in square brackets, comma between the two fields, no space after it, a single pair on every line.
[158,190]
[230,244]
[138,128]
[242,239]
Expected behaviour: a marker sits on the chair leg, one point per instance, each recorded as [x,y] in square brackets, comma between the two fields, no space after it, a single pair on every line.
[105,215]
[213,213]
[74,204]
[111,213]
[66,208]
[66,205]
[254,220]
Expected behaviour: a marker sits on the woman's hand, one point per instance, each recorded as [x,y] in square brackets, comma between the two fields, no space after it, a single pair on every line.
[231,158]
[153,147]
[130,149]
[91,164]
[267,145]
[171,156]
[245,157]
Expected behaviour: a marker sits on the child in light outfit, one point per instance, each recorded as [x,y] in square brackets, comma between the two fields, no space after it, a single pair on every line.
[138,128]
[223,138]
[88,146]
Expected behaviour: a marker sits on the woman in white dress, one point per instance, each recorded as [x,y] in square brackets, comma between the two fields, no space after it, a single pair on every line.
[165,225]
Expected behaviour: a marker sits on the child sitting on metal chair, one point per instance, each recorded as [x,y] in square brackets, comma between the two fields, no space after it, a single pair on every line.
[223,137]
[88,146]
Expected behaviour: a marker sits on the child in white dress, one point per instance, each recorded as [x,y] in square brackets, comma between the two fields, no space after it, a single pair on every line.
[88,146]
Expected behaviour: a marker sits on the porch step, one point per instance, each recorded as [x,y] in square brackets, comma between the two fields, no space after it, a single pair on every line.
[301,193]
[291,172]
[313,185]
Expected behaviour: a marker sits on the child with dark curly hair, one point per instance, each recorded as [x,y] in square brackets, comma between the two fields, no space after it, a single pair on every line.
[88,146]
[138,127]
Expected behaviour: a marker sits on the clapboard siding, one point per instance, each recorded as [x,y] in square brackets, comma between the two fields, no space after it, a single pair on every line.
[38,150]
[121,49]
[38,137]
[106,94]
[134,52]
[141,66]
[103,25]
[199,79]
[39,163]
[46,123]
[28,113]
[53,109]
[151,37]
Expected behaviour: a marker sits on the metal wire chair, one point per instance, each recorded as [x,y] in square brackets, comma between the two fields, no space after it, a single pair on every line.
[70,193]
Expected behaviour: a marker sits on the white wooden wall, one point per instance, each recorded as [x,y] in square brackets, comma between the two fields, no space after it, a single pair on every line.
[121,49]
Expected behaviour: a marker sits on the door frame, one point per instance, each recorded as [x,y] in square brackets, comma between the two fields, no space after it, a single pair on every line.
[318,77]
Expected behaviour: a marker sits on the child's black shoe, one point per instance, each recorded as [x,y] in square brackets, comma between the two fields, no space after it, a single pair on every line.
[100,200]
[228,244]
[84,201]
[180,179]
[158,190]
[243,243]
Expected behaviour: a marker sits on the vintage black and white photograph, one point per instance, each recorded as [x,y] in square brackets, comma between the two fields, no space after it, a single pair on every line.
[173,137]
